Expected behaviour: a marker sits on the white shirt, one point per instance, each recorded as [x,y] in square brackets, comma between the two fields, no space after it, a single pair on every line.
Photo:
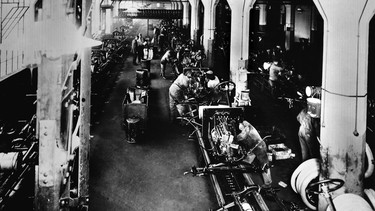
[212,83]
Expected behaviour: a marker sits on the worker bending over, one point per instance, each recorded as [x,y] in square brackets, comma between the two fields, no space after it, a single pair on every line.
[167,58]
[250,139]
[177,94]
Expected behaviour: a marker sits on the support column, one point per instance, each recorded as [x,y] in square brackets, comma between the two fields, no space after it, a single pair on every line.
[239,43]
[289,25]
[49,171]
[262,17]
[179,7]
[115,20]
[209,30]
[85,110]
[186,17]
[115,9]
[194,21]
[102,19]
[48,189]
[108,21]
[96,17]
[344,95]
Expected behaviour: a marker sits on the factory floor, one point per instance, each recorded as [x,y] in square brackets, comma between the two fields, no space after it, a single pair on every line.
[149,175]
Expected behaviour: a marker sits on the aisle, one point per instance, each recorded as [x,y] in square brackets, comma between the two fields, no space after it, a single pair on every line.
[148,175]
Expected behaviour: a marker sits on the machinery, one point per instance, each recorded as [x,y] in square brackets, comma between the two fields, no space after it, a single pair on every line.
[17,163]
[231,165]
[235,155]
[134,110]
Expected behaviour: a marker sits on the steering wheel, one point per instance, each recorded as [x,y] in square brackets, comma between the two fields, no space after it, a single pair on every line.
[225,87]
[338,183]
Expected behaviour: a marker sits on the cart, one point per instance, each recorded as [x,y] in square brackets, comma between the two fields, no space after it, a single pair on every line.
[134,112]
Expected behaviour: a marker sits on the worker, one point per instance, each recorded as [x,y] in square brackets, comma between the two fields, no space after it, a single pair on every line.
[274,71]
[250,139]
[156,35]
[308,134]
[148,52]
[140,47]
[177,94]
[134,49]
[165,59]
[211,79]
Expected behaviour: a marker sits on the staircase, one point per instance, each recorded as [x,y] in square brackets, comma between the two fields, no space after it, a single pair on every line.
[12,14]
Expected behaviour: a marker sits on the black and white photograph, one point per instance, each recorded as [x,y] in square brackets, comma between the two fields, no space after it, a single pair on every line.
[187,105]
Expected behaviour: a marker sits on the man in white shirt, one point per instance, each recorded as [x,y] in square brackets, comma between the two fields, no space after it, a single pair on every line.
[165,59]
[212,80]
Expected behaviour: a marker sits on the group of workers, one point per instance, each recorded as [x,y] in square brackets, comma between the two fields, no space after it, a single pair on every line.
[309,129]
[309,126]
[181,86]
[140,48]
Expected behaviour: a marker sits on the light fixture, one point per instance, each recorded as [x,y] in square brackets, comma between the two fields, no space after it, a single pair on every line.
[299,10]
[312,91]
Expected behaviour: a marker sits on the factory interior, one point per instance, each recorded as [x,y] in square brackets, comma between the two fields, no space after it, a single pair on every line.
[169,105]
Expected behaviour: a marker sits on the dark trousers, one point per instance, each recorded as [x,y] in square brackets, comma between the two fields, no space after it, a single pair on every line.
[135,56]
[140,53]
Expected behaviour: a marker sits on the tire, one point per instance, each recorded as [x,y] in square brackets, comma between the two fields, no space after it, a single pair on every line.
[370,162]
[298,170]
[370,193]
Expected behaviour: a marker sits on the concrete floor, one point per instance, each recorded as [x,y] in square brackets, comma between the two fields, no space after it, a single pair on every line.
[149,175]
